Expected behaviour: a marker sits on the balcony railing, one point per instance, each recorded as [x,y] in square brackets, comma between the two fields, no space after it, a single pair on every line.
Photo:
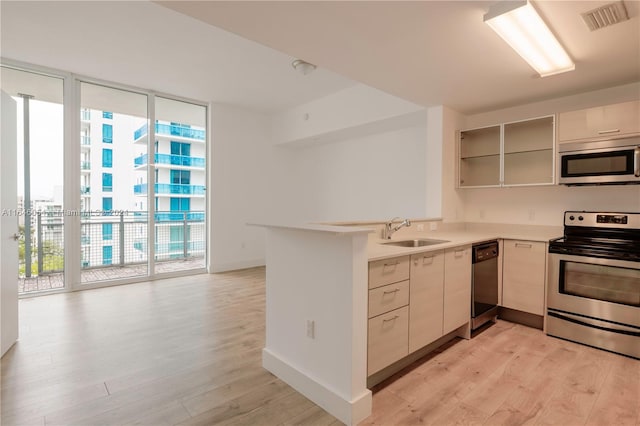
[174,160]
[85,140]
[85,165]
[179,234]
[171,130]
[85,190]
[170,188]
[85,114]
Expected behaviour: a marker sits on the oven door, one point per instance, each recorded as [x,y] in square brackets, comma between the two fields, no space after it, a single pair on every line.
[595,302]
[602,289]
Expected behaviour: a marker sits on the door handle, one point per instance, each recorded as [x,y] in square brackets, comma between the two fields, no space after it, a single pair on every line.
[15,237]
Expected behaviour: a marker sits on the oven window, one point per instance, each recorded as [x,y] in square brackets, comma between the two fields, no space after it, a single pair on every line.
[596,164]
[600,282]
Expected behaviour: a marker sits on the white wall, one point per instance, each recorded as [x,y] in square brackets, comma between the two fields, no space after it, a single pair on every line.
[239,159]
[540,205]
[369,178]
[356,107]
[374,176]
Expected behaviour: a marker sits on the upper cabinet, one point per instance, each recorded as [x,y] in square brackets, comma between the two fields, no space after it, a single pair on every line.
[509,154]
[480,157]
[600,123]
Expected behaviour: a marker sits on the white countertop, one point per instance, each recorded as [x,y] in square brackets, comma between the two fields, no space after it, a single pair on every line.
[471,234]
[317,227]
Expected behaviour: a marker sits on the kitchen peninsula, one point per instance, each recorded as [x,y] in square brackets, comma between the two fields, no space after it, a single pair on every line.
[317,301]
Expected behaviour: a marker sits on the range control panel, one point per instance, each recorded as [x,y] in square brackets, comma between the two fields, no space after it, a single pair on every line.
[622,219]
[602,219]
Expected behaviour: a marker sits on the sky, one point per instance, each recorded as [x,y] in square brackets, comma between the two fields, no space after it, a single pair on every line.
[46,130]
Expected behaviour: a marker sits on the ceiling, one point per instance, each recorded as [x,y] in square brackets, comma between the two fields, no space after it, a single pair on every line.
[433,52]
[147,46]
[240,52]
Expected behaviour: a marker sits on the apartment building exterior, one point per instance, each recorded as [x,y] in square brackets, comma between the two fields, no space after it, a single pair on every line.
[114,189]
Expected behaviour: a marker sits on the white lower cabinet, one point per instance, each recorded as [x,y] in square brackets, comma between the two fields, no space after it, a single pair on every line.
[523,276]
[457,288]
[426,293]
[407,315]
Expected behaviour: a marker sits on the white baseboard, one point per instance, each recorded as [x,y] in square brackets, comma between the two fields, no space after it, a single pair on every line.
[348,412]
[233,266]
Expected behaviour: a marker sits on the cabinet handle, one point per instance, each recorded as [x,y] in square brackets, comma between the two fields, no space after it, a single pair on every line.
[604,132]
[427,260]
[391,264]
[391,319]
[458,253]
[523,245]
[391,291]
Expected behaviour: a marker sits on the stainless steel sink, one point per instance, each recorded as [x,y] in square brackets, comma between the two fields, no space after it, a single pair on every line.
[422,242]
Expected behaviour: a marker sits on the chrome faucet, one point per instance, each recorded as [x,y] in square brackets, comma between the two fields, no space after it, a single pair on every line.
[389,229]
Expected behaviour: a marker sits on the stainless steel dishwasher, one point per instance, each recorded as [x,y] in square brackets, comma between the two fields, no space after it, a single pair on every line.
[484,284]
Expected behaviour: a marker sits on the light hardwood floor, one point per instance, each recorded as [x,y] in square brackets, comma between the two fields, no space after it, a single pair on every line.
[187,351]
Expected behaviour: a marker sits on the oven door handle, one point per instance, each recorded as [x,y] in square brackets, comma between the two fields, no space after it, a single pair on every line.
[594,323]
[636,162]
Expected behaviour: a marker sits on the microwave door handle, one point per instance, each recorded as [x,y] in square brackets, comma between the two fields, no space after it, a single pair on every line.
[636,161]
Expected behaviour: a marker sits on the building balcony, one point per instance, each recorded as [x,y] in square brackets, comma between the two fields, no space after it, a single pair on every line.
[85,191]
[171,160]
[179,216]
[175,130]
[85,114]
[85,141]
[85,166]
[170,189]
[126,234]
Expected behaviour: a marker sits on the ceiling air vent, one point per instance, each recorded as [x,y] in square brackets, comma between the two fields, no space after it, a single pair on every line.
[605,16]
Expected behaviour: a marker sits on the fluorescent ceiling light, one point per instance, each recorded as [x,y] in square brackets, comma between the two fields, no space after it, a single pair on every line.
[518,23]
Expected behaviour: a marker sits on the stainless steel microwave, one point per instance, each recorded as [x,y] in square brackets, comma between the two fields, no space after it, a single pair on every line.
[614,161]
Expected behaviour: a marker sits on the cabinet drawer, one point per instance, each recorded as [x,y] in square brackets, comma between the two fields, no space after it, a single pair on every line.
[387,271]
[523,278]
[388,339]
[389,297]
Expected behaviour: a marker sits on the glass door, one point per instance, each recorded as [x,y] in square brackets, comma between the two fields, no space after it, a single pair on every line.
[180,238]
[40,210]
[113,205]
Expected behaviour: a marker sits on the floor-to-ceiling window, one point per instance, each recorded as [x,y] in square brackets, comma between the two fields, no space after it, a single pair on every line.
[113,231]
[180,153]
[40,178]
[137,207]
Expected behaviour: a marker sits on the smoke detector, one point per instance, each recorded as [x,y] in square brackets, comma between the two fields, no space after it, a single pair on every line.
[606,15]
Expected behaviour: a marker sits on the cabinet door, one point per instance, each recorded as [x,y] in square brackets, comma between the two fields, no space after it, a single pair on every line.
[426,293]
[388,339]
[524,276]
[599,123]
[457,288]
[528,152]
[480,157]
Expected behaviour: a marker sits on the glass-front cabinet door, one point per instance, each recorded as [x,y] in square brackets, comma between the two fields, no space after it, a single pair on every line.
[510,154]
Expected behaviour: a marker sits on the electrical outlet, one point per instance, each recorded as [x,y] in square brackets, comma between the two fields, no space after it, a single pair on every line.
[311,329]
[420,227]
[433,226]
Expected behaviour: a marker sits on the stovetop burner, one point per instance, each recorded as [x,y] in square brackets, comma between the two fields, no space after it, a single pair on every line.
[604,235]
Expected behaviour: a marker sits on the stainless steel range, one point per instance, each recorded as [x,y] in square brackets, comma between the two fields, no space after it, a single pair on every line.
[593,292]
